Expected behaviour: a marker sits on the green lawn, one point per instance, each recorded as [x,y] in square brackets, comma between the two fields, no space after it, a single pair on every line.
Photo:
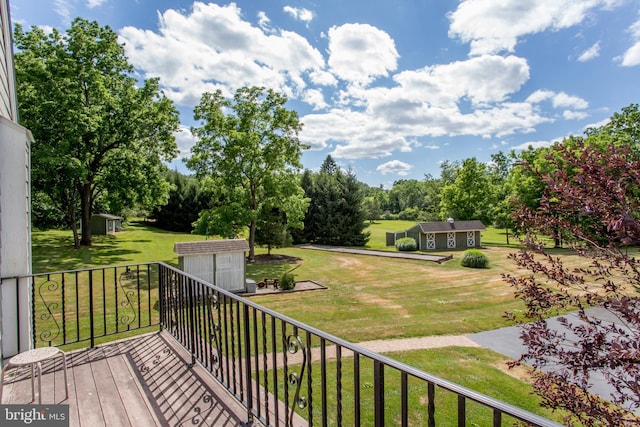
[474,368]
[367,297]
[138,242]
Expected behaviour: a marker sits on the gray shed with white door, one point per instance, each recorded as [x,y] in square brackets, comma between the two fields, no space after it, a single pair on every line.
[442,235]
[219,262]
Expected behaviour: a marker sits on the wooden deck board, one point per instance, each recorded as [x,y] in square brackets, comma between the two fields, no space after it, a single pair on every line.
[111,402]
[143,381]
[137,408]
[87,400]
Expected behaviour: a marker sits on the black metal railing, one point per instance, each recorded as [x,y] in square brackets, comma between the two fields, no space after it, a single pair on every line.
[287,373]
[283,371]
[80,306]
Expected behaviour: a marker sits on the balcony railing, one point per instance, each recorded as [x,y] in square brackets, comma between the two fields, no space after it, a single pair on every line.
[282,371]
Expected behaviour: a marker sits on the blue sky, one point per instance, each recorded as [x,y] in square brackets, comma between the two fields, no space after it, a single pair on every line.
[388,88]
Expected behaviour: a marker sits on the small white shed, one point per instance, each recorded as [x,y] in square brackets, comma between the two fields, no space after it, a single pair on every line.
[219,262]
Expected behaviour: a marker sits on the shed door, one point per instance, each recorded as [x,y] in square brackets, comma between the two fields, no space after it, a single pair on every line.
[431,241]
[230,271]
[471,238]
[451,240]
[200,266]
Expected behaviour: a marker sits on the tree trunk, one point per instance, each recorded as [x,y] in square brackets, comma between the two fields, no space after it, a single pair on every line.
[506,232]
[85,215]
[252,241]
[74,228]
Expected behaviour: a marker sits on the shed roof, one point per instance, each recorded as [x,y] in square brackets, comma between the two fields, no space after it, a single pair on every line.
[108,216]
[211,247]
[443,226]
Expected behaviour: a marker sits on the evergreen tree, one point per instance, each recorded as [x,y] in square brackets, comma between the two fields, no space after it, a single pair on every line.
[336,214]
[187,199]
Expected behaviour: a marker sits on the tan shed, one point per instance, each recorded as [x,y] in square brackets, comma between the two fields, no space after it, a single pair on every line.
[219,262]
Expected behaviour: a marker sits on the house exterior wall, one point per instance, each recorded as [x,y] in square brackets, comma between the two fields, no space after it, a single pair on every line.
[8,104]
[15,236]
[15,206]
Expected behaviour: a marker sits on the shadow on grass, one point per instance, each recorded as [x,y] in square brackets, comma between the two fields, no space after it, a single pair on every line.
[55,252]
[267,270]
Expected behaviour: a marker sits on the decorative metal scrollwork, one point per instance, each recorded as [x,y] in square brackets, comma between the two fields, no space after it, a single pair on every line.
[295,344]
[214,334]
[126,278]
[197,418]
[50,287]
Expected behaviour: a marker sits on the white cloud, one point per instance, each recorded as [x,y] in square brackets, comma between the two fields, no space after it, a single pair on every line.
[95,3]
[359,53]
[185,140]
[301,14]
[64,9]
[315,98]
[432,147]
[558,99]
[264,21]
[574,115]
[592,52]
[536,144]
[491,26]
[323,78]
[631,57]
[426,103]
[213,47]
[598,124]
[395,167]
[474,79]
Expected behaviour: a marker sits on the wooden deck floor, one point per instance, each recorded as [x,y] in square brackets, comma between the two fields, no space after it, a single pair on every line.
[139,382]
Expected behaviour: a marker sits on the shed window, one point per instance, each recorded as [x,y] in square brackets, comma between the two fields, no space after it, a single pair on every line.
[451,240]
[471,239]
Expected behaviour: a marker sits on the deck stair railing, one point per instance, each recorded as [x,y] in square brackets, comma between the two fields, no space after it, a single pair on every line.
[284,372]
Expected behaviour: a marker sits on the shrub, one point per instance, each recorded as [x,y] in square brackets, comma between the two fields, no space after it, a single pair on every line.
[474,258]
[287,281]
[406,244]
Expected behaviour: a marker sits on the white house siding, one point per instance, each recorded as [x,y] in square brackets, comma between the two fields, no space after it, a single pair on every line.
[15,236]
[8,107]
[15,205]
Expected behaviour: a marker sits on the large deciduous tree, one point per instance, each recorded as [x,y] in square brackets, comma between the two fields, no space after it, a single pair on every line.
[249,151]
[470,195]
[591,200]
[99,133]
